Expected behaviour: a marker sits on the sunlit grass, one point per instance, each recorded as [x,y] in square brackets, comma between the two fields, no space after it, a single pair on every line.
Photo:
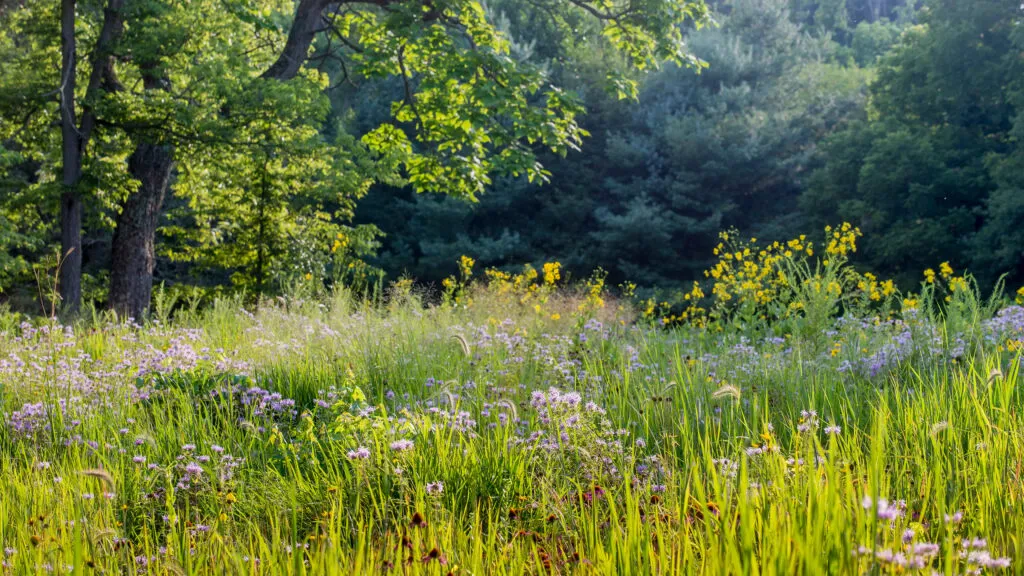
[343,438]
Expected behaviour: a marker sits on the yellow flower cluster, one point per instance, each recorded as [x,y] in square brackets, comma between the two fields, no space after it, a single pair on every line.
[595,289]
[746,273]
[454,289]
[466,266]
[781,280]
[523,285]
[876,291]
[340,242]
[1020,295]
[946,281]
[842,240]
[552,273]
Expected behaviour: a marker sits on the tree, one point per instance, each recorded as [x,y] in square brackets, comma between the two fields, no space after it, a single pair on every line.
[919,172]
[657,181]
[468,111]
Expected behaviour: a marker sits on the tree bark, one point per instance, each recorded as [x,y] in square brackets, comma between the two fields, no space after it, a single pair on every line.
[300,37]
[71,153]
[133,252]
[75,138]
[134,247]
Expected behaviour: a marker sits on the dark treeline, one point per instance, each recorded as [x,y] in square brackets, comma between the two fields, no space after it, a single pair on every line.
[900,119]
[265,146]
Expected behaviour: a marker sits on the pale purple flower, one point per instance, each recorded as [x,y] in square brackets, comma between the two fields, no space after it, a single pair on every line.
[361,453]
[401,445]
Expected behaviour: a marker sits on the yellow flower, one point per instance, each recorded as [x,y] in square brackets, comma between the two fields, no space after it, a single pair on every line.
[556,316]
[945,269]
[466,265]
[552,272]
[929,276]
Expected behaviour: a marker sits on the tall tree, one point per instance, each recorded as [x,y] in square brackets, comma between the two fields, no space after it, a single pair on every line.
[918,171]
[656,182]
[467,110]
[75,135]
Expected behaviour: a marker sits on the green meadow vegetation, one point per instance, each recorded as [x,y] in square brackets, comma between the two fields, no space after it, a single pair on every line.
[455,287]
[523,424]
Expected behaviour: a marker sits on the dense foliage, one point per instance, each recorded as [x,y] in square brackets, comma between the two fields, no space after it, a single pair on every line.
[107,106]
[516,132]
[906,124]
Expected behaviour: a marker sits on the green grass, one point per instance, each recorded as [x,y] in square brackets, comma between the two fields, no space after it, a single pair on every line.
[694,458]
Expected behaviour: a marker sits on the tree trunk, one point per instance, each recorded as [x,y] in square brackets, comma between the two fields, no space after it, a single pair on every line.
[71,152]
[134,247]
[308,16]
[75,138]
[133,251]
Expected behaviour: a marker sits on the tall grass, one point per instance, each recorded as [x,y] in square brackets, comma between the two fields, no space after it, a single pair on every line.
[340,437]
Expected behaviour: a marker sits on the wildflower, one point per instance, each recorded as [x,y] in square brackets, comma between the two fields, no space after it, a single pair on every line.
[945,270]
[401,445]
[466,266]
[87,496]
[434,488]
[435,554]
[552,272]
[974,543]
[954,518]
[884,509]
[139,459]
[833,430]
[188,447]
[418,521]
[361,453]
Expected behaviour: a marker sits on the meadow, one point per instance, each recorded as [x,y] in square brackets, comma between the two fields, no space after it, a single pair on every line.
[802,418]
